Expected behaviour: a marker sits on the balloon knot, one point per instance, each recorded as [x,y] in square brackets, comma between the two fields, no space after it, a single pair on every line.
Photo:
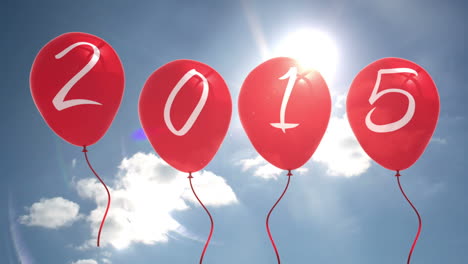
[397,173]
[289,173]
[190,175]
[84,149]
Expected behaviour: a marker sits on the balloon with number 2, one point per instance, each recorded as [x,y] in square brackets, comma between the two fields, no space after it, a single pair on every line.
[77,84]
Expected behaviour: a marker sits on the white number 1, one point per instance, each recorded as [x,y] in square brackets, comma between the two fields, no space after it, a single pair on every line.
[59,99]
[292,75]
[376,95]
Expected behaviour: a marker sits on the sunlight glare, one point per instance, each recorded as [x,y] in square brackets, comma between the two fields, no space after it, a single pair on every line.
[313,49]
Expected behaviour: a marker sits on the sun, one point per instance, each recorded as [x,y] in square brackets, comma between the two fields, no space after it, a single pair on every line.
[313,49]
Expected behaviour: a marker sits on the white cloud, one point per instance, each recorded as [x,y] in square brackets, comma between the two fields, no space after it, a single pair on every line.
[434,189]
[85,261]
[73,163]
[267,171]
[261,168]
[339,150]
[339,100]
[51,213]
[145,194]
[439,140]
[323,207]
[211,189]
[250,163]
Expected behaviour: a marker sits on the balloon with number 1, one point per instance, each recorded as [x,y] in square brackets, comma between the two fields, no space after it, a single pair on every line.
[284,109]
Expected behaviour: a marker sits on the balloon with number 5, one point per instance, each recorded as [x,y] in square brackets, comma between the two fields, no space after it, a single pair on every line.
[77,83]
[284,110]
[393,108]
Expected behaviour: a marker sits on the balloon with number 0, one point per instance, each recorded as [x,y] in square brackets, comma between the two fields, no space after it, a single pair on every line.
[77,84]
[393,108]
[284,110]
[185,109]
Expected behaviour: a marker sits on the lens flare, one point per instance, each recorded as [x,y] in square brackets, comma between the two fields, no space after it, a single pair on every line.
[21,250]
[139,135]
[313,49]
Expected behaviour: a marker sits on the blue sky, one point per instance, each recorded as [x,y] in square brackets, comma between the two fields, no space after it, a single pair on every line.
[341,208]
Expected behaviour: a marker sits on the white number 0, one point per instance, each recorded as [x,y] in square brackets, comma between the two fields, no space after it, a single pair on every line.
[376,95]
[196,112]
[59,99]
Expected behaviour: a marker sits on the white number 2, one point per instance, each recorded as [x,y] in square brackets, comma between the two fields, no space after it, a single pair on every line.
[376,95]
[59,99]
[292,75]
[196,112]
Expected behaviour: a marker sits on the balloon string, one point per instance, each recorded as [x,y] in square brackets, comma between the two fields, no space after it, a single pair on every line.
[417,213]
[268,217]
[211,219]
[108,195]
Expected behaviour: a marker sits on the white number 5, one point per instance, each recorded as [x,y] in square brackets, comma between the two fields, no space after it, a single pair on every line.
[376,95]
[59,99]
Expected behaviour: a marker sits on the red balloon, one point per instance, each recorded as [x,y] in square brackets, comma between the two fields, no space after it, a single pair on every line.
[393,108]
[185,109]
[284,110]
[77,83]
